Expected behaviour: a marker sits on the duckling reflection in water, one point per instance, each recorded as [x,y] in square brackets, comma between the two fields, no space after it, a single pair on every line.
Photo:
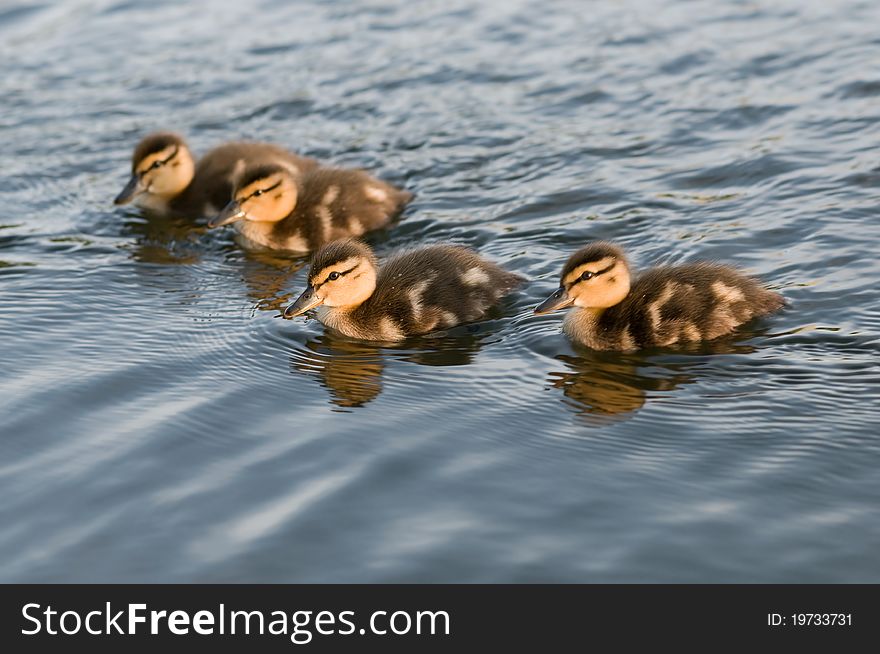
[604,384]
[352,370]
[599,388]
[267,279]
[166,179]
[274,207]
[164,239]
[415,292]
[660,307]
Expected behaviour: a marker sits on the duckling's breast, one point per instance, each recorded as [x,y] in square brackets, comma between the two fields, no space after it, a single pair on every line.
[154,203]
[593,329]
[256,235]
[372,327]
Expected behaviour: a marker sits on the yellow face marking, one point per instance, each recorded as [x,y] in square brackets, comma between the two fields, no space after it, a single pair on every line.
[592,266]
[263,185]
[340,267]
[147,162]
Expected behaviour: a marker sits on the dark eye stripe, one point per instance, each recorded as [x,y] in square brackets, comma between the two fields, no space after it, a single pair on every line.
[592,274]
[171,156]
[160,162]
[338,272]
[260,191]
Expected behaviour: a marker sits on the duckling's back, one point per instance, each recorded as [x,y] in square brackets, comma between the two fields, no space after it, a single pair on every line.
[212,186]
[435,287]
[337,203]
[692,302]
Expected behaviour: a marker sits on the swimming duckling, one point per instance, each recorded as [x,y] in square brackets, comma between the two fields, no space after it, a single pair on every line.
[665,305]
[414,292]
[166,179]
[274,208]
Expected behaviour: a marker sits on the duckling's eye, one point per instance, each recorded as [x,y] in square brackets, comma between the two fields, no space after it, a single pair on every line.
[587,275]
[155,165]
[258,193]
[333,276]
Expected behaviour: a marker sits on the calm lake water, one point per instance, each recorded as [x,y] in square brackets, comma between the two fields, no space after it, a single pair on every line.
[160,422]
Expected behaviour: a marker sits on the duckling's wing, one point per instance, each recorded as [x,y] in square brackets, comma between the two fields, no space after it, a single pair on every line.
[438,287]
[336,203]
[370,202]
[216,172]
[688,303]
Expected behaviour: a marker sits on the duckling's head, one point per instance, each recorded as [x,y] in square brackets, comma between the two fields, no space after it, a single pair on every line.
[595,277]
[342,275]
[161,168]
[263,193]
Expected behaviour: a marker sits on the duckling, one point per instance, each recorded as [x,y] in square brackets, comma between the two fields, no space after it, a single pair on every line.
[662,306]
[414,292]
[274,208]
[166,179]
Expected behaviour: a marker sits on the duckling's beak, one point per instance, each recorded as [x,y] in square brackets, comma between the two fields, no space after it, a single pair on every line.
[559,300]
[231,213]
[308,300]
[133,188]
